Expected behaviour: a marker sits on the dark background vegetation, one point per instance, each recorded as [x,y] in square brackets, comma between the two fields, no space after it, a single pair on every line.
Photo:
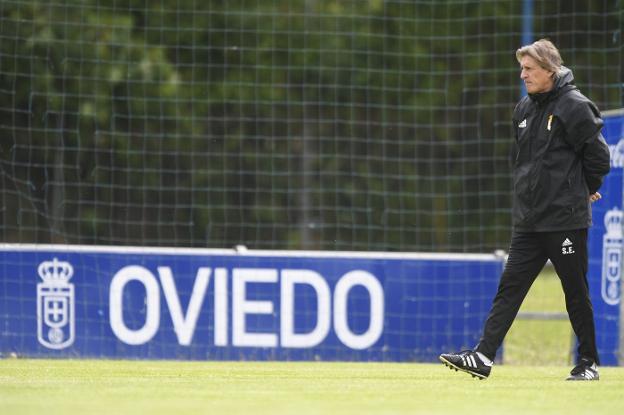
[338,125]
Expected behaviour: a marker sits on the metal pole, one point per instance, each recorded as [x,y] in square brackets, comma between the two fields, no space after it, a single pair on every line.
[306,222]
[527,31]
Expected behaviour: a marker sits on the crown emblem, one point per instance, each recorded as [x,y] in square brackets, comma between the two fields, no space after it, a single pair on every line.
[55,272]
[613,223]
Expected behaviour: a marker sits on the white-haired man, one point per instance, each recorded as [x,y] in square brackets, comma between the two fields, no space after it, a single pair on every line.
[560,164]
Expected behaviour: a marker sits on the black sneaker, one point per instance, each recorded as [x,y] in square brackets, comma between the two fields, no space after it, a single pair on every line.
[585,370]
[466,361]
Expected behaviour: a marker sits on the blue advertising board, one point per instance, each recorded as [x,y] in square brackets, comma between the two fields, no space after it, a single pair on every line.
[606,244]
[71,301]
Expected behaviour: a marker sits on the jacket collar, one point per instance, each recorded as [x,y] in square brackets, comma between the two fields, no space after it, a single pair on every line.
[562,79]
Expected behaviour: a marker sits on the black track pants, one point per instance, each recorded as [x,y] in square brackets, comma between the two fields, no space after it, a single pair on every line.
[567,250]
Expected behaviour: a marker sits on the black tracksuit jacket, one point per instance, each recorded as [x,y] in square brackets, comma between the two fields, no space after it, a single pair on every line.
[561,158]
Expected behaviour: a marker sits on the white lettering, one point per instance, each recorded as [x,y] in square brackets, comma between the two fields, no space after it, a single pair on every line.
[241,307]
[288,337]
[341,326]
[184,326]
[617,154]
[221,308]
[152,305]
[185,321]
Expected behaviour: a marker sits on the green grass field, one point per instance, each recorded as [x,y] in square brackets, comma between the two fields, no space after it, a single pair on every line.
[176,388]
[548,342]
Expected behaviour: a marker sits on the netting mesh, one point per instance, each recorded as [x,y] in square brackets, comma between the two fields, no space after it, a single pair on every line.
[340,125]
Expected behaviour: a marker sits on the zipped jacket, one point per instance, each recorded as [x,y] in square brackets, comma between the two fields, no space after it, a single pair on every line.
[561,158]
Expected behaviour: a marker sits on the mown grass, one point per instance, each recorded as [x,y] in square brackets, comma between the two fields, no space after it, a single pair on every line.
[175,388]
[543,342]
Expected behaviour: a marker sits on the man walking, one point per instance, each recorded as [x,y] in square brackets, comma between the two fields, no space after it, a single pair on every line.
[560,164]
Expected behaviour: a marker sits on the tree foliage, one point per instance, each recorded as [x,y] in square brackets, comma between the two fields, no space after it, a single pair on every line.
[371,125]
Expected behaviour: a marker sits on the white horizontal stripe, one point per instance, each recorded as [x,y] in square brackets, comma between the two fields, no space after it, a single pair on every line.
[613,113]
[431,256]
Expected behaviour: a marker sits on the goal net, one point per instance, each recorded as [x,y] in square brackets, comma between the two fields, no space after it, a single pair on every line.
[333,125]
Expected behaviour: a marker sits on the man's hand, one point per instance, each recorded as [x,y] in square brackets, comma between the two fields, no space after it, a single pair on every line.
[594,197]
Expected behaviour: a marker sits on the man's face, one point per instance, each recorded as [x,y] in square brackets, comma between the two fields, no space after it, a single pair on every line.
[536,79]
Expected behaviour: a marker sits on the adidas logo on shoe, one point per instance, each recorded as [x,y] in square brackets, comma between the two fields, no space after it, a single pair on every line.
[585,370]
[467,361]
